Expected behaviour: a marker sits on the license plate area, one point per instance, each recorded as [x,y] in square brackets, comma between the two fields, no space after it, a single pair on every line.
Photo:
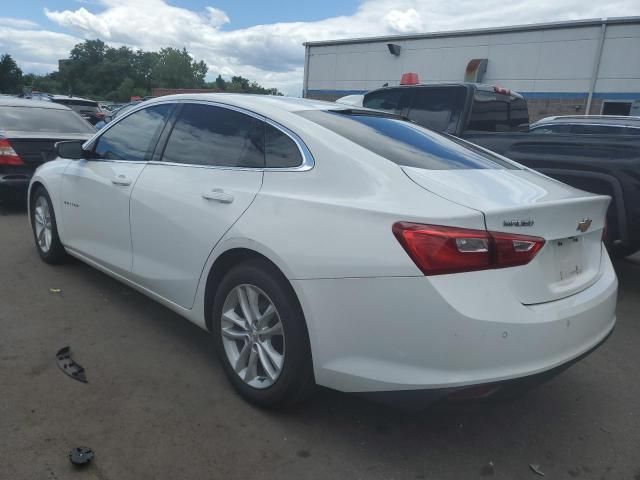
[569,256]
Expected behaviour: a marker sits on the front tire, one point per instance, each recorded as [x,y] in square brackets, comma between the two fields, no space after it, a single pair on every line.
[45,228]
[261,336]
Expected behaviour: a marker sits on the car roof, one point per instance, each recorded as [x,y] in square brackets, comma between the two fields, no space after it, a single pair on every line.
[484,87]
[69,97]
[31,103]
[260,104]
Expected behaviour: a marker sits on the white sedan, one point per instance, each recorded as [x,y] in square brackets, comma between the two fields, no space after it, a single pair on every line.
[333,245]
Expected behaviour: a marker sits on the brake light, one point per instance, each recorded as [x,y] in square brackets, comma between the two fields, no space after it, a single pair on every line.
[8,155]
[501,90]
[437,250]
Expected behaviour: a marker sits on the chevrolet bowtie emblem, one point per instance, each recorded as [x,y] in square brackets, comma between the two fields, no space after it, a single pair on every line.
[584,225]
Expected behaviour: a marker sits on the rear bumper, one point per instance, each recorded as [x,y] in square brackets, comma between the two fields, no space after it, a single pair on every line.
[418,333]
[417,399]
[14,184]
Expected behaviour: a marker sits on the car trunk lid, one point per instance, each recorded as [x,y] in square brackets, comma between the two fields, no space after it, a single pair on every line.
[524,202]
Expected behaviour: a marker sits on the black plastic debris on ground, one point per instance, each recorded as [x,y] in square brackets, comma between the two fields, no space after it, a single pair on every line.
[80,455]
[69,366]
[535,468]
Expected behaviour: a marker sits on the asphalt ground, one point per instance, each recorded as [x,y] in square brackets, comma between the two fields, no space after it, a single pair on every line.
[157,404]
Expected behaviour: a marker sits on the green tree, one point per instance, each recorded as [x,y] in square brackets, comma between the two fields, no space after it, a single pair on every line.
[98,71]
[176,69]
[10,75]
[220,83]
[144,64]
[78,72]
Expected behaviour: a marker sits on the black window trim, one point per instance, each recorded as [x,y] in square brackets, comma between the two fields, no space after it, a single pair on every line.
[308,162]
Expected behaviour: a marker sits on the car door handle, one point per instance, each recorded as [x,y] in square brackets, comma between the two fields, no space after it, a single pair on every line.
[218,195]
[122,181]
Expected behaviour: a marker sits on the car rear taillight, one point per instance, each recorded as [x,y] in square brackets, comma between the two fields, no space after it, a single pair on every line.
[436,249]
[8,155]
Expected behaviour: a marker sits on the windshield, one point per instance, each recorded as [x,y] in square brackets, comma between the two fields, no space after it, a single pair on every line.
[35,119]
[405,143]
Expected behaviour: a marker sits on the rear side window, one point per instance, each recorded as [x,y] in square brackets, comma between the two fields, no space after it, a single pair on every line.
[386,100]
[598,130]
[405,143]
[133,137]
[437,107]
[493,112]
[216,136]
[35,119]
[280,150]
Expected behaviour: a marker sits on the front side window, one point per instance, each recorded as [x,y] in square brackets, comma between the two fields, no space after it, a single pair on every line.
[133,137]
[552,129]
[405,143]
[215,136]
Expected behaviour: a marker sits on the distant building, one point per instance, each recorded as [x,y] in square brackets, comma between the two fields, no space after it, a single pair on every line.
[585,66]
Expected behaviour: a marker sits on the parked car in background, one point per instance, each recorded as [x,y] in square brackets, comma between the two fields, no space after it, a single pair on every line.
[115,113]
[88,109]
[28,131]
[324,244]
[498,119]
[588,125]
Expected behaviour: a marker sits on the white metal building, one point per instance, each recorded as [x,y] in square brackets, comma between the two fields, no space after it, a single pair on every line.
[584,66]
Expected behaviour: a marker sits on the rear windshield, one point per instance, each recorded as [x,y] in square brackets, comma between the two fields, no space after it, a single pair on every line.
[493,112]
[79,105]
[405,143]
[34,119]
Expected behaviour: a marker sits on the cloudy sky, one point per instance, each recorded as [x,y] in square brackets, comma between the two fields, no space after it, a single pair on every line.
[261,40]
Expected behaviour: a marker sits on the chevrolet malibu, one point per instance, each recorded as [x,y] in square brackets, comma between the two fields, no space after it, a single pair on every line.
[324,244]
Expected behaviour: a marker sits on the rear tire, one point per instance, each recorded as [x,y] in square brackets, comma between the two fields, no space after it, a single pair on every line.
[45,228]
[267,359]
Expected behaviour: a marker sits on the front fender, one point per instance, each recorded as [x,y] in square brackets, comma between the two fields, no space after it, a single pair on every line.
[49,175]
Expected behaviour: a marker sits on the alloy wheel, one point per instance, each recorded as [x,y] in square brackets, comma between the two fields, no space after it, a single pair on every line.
[42,223]
[253,336]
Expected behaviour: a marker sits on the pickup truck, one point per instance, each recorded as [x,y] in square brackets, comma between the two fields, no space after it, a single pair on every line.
[498,119]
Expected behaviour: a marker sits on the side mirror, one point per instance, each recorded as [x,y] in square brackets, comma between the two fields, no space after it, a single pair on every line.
[71,149]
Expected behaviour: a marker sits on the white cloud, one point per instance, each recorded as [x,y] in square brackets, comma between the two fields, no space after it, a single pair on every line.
[17,23]
[36,51]
[273,54]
